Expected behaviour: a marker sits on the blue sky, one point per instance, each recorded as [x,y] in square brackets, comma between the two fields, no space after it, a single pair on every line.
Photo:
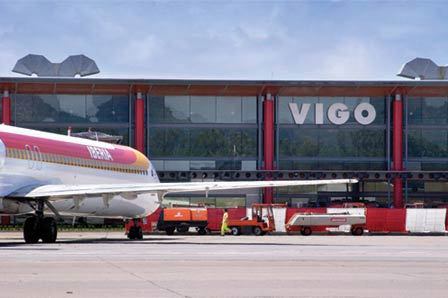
[228,39]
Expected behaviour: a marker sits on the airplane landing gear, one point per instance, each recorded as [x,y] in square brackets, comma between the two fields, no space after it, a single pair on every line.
[136,231]
[39,227]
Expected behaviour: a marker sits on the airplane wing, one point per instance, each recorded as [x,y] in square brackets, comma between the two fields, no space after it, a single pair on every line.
[61,190]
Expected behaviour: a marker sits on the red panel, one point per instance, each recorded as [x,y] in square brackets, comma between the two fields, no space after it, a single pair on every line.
[397,153]
[268,143]
[5,220]
[139,131]
[6,109]
[215,216]
[386,220]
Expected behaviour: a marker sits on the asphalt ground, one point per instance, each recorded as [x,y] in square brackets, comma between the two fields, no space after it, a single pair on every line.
[108,265]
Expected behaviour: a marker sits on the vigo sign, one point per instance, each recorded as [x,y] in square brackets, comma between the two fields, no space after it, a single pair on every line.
[337,113]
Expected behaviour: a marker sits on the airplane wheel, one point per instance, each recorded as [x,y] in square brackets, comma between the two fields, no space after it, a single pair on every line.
[202,231]
[257,231]
[236,231]
[306,231]
[31,230]
[139,233]
[132,233]
[49,230]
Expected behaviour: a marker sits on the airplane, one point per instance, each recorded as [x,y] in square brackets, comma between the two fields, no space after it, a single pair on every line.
[41,172]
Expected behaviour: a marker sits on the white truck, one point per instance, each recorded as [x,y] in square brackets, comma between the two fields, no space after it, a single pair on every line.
[304,222]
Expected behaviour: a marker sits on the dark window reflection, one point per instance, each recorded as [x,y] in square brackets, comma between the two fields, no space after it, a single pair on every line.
[202,142]
[427,143]
[427,110]
[70,108]
[202,109]
[295,142]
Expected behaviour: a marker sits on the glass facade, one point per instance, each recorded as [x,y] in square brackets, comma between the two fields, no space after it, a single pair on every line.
[203,132]
[350,146]
[56,112]
[225,133]
[427,133]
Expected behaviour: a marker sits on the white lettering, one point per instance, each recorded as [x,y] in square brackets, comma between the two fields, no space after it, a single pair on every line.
[299,116]
[365,107]
[319,113]
[99,153]
[337,113]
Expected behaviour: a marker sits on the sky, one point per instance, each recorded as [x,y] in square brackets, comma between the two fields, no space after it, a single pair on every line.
[262,40]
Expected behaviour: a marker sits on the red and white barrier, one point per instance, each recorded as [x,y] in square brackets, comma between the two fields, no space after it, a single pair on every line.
[279,219]
[425,220]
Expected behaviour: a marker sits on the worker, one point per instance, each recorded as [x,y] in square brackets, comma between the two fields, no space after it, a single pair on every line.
[224,228]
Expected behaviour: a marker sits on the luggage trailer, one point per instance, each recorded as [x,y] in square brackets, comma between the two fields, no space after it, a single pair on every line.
[304,222]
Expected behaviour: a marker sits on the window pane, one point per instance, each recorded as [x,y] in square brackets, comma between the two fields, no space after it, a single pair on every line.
[248,143]
[228,109]
[249,109]
[369,142]
[298,142]
[156,142]
[107,108]
[208,143]
[72,108]
[428,110]
[177,109]
[202,165]
[203,109]
[284,114]
[155,109]
[428,143]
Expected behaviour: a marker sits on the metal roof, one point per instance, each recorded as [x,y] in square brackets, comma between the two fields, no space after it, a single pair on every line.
[221,87]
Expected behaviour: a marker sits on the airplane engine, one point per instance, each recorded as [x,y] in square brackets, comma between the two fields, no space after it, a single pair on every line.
[11,206]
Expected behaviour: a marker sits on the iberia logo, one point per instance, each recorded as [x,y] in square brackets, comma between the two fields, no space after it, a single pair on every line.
[336,219]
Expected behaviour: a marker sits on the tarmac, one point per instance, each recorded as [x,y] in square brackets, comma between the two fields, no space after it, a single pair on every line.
[108,265]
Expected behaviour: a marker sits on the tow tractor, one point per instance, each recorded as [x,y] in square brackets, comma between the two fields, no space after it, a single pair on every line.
[260,223]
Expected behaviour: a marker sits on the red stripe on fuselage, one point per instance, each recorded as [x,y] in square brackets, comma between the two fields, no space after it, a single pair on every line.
[120,154]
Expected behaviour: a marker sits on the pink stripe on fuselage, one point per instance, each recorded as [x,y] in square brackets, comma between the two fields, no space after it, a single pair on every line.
[119,154]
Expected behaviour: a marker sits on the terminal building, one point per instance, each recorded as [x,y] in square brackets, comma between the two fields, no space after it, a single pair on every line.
[391,135]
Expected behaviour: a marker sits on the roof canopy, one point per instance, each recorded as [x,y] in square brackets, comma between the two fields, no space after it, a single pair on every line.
[222,87]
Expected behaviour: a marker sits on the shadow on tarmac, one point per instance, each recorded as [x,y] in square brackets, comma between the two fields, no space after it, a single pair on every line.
[169,241]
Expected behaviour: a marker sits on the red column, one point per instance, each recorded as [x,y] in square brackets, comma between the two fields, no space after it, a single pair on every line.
[6,108]
[268,142]
[397,154]
[139,131]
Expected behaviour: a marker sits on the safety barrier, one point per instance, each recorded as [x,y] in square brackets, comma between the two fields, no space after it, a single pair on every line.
[386,220]
[379,220]
[215,216]
[426,220]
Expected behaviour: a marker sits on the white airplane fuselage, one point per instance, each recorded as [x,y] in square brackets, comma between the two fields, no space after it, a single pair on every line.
[31,158]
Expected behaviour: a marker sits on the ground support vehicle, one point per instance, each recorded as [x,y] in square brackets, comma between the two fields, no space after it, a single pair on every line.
[262,221]
[182,219]
[304,222]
